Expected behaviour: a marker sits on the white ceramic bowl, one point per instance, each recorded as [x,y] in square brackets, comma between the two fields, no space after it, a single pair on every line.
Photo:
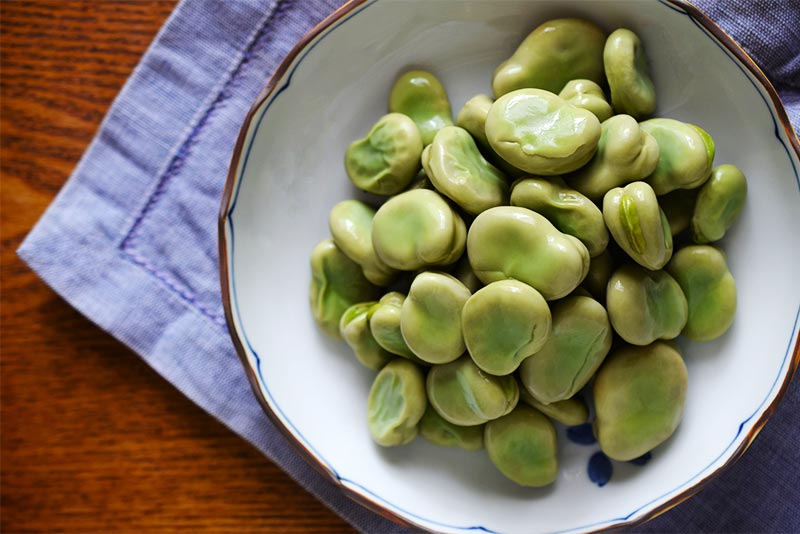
[288,171]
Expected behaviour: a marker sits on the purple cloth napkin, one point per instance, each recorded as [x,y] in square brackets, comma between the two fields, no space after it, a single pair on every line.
[131,241]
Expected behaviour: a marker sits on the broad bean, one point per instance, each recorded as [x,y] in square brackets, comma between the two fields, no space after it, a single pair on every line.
[396,403]
[504,323]
[639,394]
[541,133]
[511,242]
[337,282]
[638,224]
[421,96]
[554,53]
[387,159]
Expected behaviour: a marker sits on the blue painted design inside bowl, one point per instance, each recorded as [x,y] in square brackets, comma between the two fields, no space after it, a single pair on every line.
[600,469]
[642,460]
[364,490]
[581,434]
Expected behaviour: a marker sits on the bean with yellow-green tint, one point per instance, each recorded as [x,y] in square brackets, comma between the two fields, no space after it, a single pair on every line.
[457,169]
[464,395]
[504,323]
[645,305]
[337,282]
[702,272]
[421,96]
[628,74]
[512,242]
[350,222]
[355,330]
[570,412]
[387,159]
[541,133]
[554,53]
[588,95]
[639,394]
[625,153]
[440,431]
[396,403]
[430,318]
[579,341]
[522,445]
[568,210]
[384,323]
[638,224]
[719,202]
[472,118]
[417,229]
[686,155]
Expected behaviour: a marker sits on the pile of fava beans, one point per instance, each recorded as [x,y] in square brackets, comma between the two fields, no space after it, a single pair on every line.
[532,259]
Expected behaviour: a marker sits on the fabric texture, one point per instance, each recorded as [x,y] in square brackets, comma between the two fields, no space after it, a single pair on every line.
[131,240]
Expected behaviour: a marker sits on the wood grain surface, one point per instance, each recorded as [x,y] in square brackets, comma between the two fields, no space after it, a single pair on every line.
[93,440]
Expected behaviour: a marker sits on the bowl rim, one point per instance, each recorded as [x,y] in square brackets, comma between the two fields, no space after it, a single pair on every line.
[700,19]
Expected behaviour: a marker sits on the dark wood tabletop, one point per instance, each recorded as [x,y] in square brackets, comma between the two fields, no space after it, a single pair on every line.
[92,438]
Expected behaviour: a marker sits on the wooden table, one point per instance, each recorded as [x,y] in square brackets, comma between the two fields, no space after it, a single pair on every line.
[92,438]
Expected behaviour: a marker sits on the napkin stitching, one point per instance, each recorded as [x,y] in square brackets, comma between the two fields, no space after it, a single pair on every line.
[176,165]
[159,185]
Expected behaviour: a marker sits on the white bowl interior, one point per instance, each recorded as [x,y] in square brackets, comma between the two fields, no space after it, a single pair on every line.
[292,173]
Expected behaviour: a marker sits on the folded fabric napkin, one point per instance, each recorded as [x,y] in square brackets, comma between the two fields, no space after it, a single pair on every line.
[131,240]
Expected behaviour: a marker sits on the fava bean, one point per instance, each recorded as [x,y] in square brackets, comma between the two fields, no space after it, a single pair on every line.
[396,403]
[588,95]
[511,242]
[645,305]
[541,133]
[570,412]
[625,153]
[472,118]
[350,222]
[440,431]
[554,53]
[686,155]
[384,323]
[638,225]
[579,341]
[337,283]
[387,159]
[639,394]
[457,169]
[628,74]
[504,323]
[719,202]
[702,272]
[355,330]
[421,96]
[417,229]
[522,445]
[568,210]
[430,319]
[464,395]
